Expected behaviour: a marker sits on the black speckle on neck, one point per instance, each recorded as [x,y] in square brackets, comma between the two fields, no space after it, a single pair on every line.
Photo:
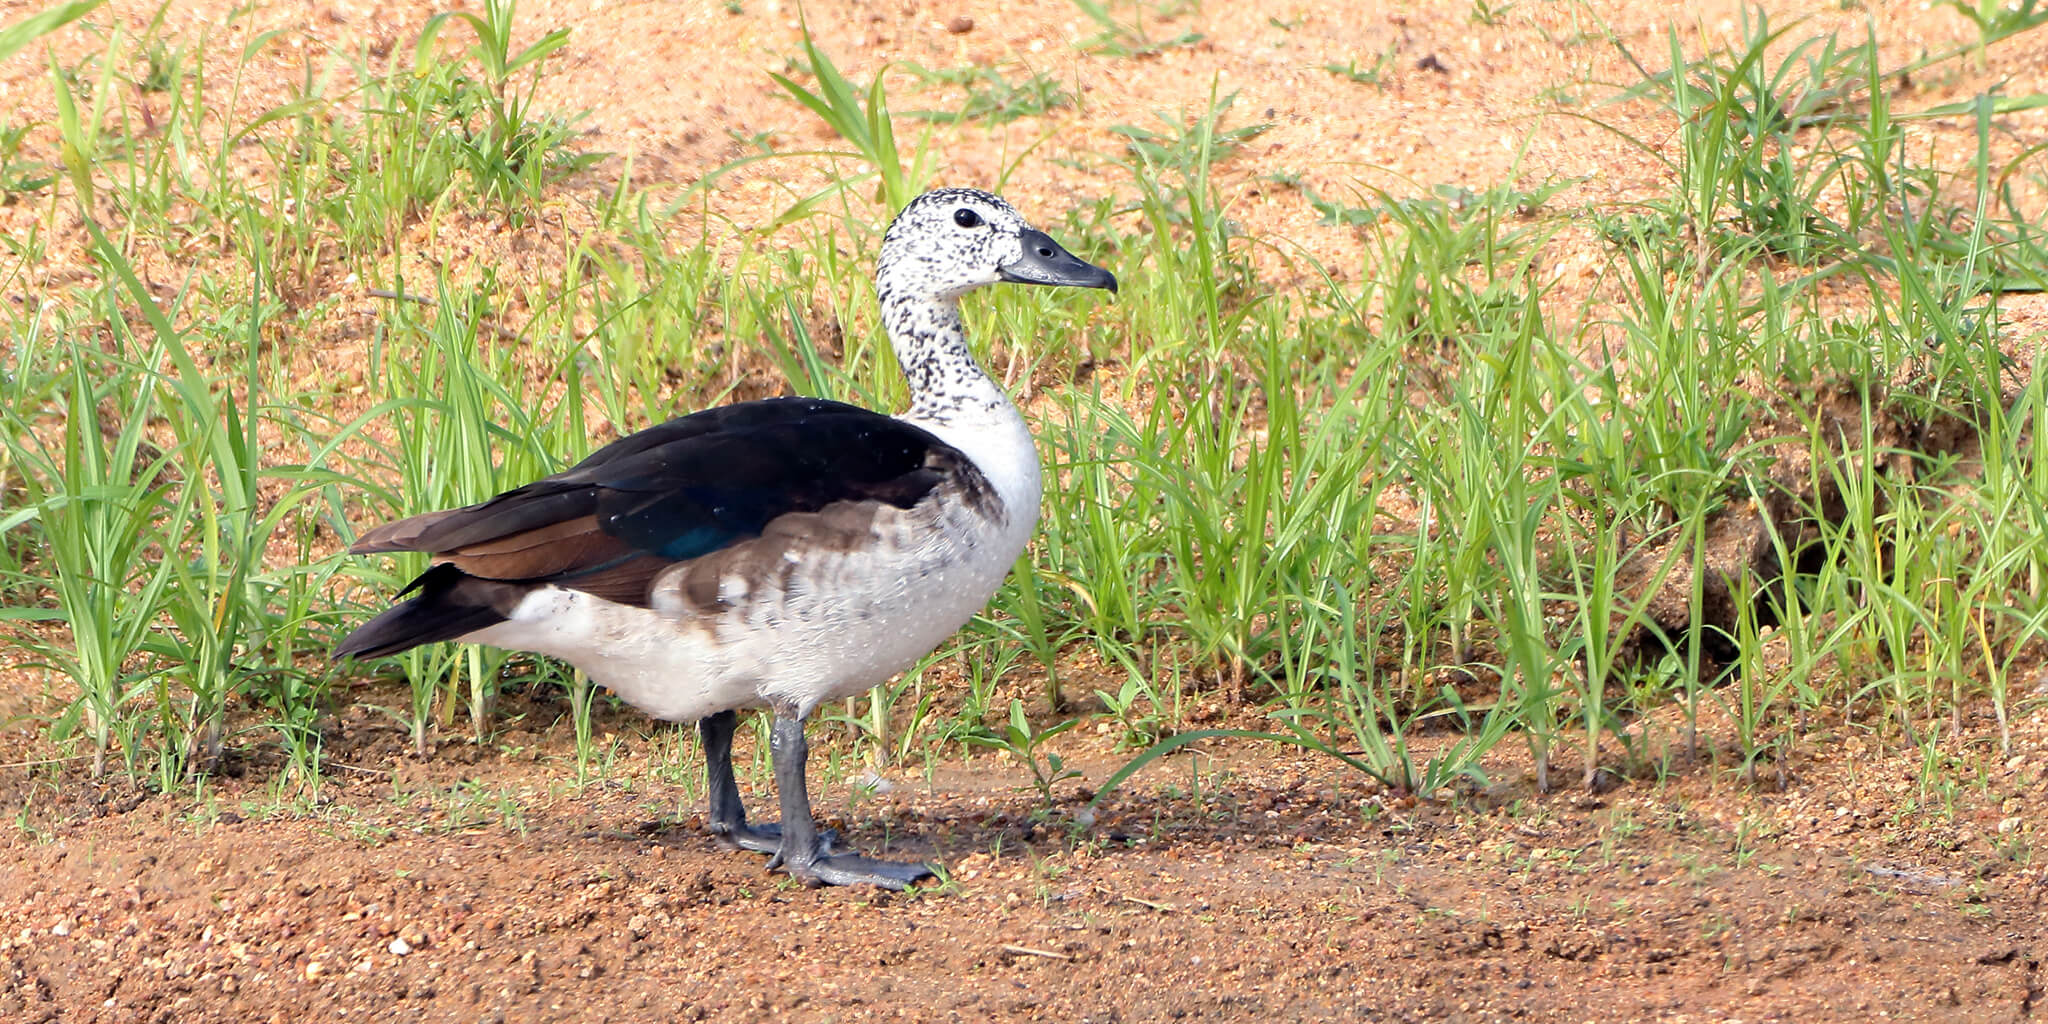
[931,346]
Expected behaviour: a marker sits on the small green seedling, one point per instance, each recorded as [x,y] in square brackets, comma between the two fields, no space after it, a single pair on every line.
[1022,740]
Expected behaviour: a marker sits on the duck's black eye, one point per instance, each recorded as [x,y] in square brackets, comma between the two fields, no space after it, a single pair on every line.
[966,218]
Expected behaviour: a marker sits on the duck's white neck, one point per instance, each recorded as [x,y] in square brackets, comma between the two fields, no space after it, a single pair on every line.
[951,397]
[946,384]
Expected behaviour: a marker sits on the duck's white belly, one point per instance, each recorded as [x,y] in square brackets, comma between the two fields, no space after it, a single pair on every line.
[793,623]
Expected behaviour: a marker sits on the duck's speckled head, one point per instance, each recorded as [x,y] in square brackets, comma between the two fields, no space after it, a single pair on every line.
[950,241]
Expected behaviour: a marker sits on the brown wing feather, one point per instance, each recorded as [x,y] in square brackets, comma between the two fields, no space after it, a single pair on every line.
[403,535]
[575,552]
[627,582]
[562,547]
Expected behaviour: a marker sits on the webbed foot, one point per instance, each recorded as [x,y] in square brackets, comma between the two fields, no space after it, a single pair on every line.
[826,868]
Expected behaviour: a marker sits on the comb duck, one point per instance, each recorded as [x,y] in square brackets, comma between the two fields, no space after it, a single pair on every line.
[779,553]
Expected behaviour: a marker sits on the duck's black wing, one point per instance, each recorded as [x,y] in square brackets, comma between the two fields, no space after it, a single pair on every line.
[674,493]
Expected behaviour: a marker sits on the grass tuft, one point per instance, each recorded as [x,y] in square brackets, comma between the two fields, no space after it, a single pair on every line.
[1404,514]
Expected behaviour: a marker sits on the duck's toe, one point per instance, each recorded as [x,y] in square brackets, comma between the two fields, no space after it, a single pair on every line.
[854,869]
[767,838]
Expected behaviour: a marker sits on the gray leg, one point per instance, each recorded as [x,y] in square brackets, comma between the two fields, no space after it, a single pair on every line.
[806,854]
[728,819]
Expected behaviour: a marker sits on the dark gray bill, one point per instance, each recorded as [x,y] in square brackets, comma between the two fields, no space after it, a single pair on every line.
[1045,262]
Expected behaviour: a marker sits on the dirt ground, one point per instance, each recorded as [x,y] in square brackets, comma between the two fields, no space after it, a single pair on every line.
[484,885]
[487,883]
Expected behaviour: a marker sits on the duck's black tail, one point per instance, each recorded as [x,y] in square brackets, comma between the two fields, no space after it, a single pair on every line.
[451,604]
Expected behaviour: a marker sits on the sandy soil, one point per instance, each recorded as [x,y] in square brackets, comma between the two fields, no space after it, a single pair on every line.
[487,883]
